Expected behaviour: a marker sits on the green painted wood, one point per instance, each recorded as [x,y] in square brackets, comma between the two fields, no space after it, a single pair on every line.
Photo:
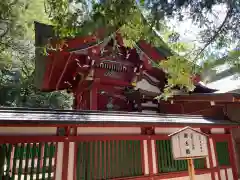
[9,153]
[14,161]
[51,156]
[28,150]
[45,156]
[166,163]
[21,156]
[39,154]
[33,155]
[111,162]
[222,153]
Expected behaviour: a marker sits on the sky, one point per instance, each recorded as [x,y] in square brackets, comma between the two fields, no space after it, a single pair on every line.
[189,33]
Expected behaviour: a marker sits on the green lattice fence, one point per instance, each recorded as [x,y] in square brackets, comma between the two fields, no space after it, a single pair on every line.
[108,159]
[222,153]
[28,161]
[166,163]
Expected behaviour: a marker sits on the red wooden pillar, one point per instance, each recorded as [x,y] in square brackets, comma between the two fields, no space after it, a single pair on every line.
[65,155]
[210,160]
[216,157]
[232,156]
[94,95]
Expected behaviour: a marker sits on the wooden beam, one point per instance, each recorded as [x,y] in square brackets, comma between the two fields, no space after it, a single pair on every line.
[227,97]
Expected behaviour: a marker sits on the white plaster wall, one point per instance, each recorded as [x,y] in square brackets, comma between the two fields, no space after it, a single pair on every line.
[154,157]
[217,131]
[28,130]
[223,174]
[108,130]
[145,151]
[59,164]
[216,176]
[230,174]
[197,177]
[71,160]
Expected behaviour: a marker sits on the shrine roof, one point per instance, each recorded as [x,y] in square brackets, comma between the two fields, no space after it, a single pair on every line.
[41,116]
[216,97]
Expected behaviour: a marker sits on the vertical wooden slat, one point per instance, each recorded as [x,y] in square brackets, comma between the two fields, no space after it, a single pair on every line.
[113,159]
[117,157]
[79,169]
[139,163]
[109,160]
[93,160]
[20,161]
[134,154]
[45,156]
[130,158]
[123,158]
[9,156]
[102,159]
[14,161]
[96,160]
[84,160]
[27,161]
[105,159]
[34,155]
[90,152]
[39,155]
[50,158]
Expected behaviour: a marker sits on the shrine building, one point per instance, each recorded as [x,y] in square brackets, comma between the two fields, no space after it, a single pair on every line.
[117,130]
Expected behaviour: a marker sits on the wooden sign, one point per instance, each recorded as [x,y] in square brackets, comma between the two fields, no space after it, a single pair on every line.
[188,143]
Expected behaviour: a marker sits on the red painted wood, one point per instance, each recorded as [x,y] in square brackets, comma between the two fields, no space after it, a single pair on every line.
[215,152]
[210,159]
[75,161]
[65,160]
[226,174]
[232,158]
[94,99]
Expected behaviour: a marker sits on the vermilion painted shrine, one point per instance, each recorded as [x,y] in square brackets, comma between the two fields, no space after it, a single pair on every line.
[117,130]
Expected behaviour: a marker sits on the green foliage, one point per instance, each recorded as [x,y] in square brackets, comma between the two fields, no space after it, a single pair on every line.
[179,72]
[17,58]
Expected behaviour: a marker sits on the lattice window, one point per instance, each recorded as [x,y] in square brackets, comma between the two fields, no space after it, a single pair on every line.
[166,163]
[108,159]
[222,153]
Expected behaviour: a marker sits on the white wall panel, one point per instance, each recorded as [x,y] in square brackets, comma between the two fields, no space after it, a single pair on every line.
[108,130]
[28,130]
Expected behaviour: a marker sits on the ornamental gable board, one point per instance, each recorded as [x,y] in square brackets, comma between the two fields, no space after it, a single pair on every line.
[188,143]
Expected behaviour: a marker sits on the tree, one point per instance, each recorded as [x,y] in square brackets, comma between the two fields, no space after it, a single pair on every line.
[17,58]
[126,16]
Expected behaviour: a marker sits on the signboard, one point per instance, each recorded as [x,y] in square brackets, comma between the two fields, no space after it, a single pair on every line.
[189,143]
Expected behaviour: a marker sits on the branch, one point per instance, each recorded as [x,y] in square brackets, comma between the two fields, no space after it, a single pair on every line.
[216,34]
